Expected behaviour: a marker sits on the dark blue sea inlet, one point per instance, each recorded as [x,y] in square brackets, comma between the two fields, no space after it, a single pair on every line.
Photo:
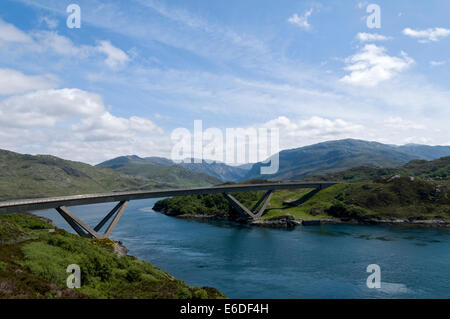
[327,261]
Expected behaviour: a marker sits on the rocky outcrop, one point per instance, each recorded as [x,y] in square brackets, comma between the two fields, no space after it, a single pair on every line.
[282,222]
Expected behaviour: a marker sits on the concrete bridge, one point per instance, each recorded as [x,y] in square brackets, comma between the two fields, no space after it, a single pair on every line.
[123,198]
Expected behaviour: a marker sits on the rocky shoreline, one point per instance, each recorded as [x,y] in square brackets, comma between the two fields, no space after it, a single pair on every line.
[290,222]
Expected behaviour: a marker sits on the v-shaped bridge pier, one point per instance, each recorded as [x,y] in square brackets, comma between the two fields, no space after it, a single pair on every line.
[254,212]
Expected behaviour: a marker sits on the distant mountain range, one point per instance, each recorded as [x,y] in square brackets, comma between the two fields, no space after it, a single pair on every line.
[425,152]
[24,176]
[160,170]
[295,164]
[221,171]
[339,155]
[27,176]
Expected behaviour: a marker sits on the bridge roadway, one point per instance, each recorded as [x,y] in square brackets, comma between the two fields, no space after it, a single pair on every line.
[60,203]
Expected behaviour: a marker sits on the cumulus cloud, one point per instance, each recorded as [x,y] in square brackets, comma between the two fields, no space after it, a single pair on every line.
[427,35]
[71,121]
[109,127]
[46,108]
[14,82]
[371,37]
[372,65]
[301,21]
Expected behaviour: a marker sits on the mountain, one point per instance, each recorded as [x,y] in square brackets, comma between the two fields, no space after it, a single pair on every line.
[224,172]
[333,156]
[425,151]
[159,170]
[438,169]
[27,176]
[160,161]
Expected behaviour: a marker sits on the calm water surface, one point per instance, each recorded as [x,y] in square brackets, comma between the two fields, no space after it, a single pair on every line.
[327,261]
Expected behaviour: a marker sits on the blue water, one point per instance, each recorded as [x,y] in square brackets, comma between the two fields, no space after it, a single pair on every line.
[327,261]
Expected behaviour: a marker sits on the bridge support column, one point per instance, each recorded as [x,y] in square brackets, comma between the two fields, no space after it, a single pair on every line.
[254,213]
[84,230]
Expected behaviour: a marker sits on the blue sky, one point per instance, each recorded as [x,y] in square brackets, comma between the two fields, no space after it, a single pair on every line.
[138,69]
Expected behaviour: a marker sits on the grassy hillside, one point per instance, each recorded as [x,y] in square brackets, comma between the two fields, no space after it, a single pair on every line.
[437,169]
[33,262]
[401,198]
[27,176]
[416,190]
[148,168]
[333,156]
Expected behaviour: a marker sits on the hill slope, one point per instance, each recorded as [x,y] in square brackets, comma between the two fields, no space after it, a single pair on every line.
[425,152]
[33,264]
[27,176]
[374,193]
[437,169]
[162,173]
[333,156]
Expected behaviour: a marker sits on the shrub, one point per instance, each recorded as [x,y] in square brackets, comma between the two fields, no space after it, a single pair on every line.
[199,293]
[133,275]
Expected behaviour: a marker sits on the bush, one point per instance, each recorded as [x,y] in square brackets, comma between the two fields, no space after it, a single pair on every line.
[339,209]
[133,275]
[199,293]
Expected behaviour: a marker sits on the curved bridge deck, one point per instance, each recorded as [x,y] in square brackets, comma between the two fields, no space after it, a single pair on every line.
[60,203]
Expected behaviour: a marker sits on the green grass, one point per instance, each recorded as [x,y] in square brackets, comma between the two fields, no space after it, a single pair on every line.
[33,263]
[26,176]
[170,174]
[438,169]
[401,198]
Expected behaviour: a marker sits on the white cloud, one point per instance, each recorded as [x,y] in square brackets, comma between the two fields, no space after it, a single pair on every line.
[109,127]
[294,133]
[362,4]
[371,37]
[52,41]
[46,108]
[50,22]
[301,21]
[427,35]
[372,65]
[114,56]
[402,124]
[73,123]
[10,34]
[437,63]
[14,82]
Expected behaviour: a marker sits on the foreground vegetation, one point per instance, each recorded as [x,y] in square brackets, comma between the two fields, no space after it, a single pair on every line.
[34,256]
